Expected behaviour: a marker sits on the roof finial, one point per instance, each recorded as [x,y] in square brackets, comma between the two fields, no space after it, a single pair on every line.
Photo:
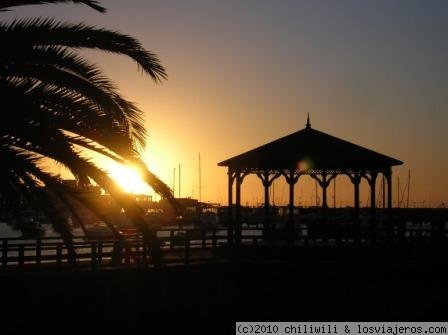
[308,124]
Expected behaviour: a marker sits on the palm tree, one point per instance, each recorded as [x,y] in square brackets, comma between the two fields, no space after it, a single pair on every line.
[55,104]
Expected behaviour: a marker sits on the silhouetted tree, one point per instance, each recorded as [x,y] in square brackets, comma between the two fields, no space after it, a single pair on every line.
[55,104]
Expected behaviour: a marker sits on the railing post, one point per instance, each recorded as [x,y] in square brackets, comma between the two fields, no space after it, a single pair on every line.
[94,256]
[136,251]
[338,239]
[128,254]
[21,260]
[187,250]
[117,253]
[214,241]
[59,256]
[171,239]
[38,250]
[145,251]
[5,252]
[100,251]
[214,244]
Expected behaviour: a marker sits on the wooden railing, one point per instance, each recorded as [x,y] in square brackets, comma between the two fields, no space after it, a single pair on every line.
[178,246]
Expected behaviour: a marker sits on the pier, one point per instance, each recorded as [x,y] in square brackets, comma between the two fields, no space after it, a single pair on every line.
[189,246]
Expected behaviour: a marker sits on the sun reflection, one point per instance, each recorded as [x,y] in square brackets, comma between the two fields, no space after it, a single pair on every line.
[304,165]
[128,177]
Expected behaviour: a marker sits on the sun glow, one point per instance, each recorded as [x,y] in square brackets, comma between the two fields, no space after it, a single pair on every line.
[129,178]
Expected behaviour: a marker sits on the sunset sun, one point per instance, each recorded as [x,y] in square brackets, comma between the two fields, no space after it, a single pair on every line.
[129,178]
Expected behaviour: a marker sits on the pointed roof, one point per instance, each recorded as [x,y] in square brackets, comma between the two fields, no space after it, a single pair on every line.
[317,150]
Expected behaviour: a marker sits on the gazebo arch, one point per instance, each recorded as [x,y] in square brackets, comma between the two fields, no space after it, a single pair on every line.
[305,152]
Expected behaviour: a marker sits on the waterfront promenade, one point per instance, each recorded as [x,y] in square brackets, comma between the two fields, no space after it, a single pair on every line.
[209,298]
[204,284]
[185,247]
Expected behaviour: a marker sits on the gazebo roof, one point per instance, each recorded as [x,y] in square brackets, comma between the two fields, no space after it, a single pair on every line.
[315,150]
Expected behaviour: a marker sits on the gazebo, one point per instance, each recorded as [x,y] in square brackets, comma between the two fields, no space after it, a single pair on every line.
[305,152]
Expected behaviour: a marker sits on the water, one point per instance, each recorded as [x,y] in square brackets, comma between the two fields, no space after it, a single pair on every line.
[6,231]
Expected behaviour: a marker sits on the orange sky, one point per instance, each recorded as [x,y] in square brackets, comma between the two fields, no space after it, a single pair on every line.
[242,74]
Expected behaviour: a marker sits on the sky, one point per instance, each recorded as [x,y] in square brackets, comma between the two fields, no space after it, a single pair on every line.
[244,73]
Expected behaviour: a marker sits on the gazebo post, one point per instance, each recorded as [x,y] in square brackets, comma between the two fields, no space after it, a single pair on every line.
[388,175]
[291,179]
[324,183]
[266,181]
[356,180]
[230,230]
[372,182]
[356,184]
[373,176]
[389,193]
[238,208]
[290,224]
[266,216]
[324,186]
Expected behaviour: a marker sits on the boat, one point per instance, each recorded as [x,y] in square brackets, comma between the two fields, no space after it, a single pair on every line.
[29,225]
[32,228]
[99,230]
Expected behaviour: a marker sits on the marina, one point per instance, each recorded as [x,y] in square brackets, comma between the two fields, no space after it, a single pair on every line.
[419,230]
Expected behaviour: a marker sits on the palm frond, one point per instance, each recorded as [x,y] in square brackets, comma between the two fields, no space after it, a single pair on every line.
[56,144]
[46,84]
[60,58]
[25,162]
[56,105]
[14,3]
[24,33]
[66,80]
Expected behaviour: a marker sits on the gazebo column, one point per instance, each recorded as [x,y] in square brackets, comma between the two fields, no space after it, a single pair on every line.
[291,177]
[230,223]
[239,177]
[266,221]
[355,177]
[238,208]
[373,176]
[372,183]
[267,182]
[324,183]
[388,175]
[356,184]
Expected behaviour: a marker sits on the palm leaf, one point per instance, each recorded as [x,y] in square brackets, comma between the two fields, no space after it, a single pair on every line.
[13,3]
[24,33]
[45,83]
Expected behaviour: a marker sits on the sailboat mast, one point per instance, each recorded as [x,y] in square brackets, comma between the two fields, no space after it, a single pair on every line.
[174,182]
[179,178]
[409,187]
[200,179]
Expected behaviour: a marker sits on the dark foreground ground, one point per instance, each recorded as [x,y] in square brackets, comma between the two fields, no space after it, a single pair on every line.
[210,298]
